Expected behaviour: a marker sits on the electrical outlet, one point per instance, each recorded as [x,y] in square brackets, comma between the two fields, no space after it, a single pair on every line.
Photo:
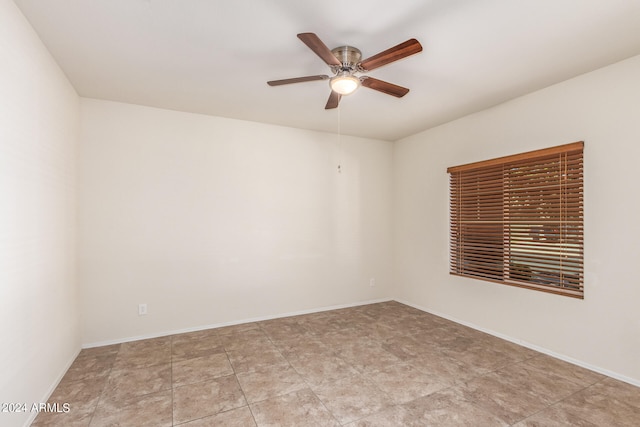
[372,282]
[142,309]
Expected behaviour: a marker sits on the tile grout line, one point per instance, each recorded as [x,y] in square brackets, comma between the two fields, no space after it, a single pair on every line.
[235,375]
[104,388]
[559,401]
[309,386]
[173,418]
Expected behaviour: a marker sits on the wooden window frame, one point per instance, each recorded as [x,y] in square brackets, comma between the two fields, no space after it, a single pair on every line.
[519,220]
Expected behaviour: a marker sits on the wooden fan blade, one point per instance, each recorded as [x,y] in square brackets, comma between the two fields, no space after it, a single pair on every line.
[315,44]
[395,53]
[333,101]
[384,87]
[297,80]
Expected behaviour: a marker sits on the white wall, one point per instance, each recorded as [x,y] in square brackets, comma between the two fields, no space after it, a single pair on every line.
[211,220]
[39,112]
[602,108]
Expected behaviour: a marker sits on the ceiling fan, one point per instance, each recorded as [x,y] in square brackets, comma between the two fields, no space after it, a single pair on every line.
[346,65]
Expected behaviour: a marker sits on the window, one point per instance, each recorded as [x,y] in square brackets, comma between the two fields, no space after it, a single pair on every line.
[518,220]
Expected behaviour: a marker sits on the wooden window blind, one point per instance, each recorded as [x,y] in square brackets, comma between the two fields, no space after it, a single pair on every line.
[518,220]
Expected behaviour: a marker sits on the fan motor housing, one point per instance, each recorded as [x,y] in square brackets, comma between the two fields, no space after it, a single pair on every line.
[349,56]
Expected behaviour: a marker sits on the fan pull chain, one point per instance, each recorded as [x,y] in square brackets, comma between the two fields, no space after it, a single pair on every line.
[339,139]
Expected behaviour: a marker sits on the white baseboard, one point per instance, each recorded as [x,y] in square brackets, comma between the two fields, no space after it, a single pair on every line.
[546,351]
[239,322]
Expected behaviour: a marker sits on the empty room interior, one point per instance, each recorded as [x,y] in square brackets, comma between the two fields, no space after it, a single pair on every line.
[201,225]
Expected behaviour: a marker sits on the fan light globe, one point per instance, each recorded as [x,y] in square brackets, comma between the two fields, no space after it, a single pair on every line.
[344,83]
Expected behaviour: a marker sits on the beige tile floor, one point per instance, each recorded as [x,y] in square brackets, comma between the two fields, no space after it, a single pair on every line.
[382,364]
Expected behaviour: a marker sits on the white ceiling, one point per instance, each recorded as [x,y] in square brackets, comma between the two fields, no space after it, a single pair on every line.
[214,57]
